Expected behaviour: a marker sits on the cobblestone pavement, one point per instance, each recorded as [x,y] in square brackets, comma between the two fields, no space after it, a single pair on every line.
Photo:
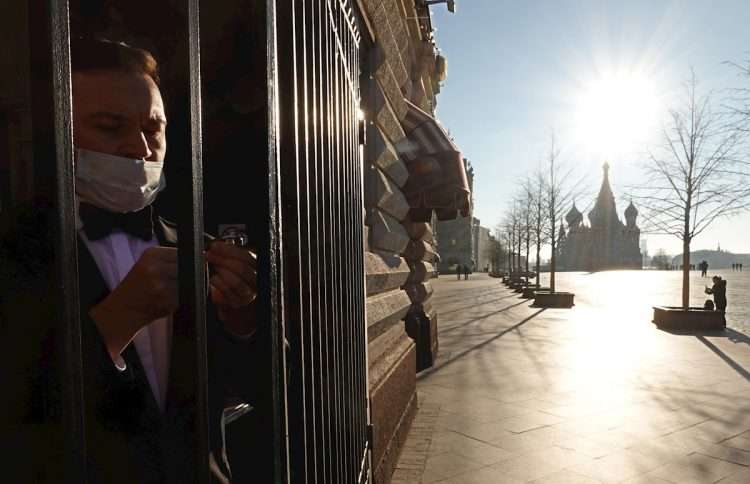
[591,394]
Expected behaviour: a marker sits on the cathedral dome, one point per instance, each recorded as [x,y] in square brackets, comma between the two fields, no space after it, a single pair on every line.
[630,214]
[631,211]
[574,216]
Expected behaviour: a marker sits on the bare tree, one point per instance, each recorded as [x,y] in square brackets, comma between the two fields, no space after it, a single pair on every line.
[695,177]
[739,102]
[661,260]
[535,191]
[514,233]
[526,226]
[559,193]
[495,252]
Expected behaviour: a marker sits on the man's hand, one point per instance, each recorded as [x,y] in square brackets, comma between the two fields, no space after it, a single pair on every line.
[147,293]
[234,286]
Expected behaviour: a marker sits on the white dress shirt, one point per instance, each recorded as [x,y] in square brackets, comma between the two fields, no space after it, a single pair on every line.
[115,255]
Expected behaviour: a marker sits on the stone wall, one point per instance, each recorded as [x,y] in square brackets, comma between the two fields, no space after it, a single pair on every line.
[399,64]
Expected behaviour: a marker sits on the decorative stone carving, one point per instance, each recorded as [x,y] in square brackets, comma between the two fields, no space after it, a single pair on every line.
[380,192]
[381,153]
[421,271]
[420,250]
[384,272]
[384,115]
[418,292]
[386,233]
[384,311]
[418,230]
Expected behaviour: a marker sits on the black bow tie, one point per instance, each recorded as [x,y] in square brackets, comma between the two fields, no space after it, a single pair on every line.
[99,223]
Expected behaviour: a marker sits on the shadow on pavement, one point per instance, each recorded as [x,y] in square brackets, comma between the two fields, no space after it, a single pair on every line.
[729,333]
[729,361]
[477,304]
[465,352]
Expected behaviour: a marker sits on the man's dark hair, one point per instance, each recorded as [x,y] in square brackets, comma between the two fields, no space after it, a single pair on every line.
[105,55]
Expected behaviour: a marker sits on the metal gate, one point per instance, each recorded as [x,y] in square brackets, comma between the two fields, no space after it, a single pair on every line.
[322,240]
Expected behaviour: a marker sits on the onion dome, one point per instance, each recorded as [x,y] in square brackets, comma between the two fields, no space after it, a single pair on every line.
[574,216]
[631,211]
[630,214]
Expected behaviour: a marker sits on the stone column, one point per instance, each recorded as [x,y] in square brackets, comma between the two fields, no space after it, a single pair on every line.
[421,321]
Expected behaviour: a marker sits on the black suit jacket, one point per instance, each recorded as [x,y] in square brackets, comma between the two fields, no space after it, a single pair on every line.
[129,439]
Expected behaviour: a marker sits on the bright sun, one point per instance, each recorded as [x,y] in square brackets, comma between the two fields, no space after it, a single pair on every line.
[616,114]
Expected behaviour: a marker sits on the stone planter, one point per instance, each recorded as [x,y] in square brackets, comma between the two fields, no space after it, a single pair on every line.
[529,291]
[694,319]
[548,299]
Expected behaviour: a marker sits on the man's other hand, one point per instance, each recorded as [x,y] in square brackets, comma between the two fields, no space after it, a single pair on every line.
[147,293]
[234,286]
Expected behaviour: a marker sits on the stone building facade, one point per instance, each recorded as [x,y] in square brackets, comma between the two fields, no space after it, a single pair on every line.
[482,248]
[455,238]
[400,82]
[606,243]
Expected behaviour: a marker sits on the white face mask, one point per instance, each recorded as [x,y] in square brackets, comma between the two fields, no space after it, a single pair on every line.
[116,183]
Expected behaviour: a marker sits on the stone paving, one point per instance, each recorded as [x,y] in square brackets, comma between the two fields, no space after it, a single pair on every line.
[593,394]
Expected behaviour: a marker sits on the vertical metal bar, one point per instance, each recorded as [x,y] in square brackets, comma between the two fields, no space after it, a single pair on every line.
[330,276]
[345,348]
[344,96]
[291,145]
[271,357]
[309,181]
[320,272]
[333,248]
[66,258]
[190,336]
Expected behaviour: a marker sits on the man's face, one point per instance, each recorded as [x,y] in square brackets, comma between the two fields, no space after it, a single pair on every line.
[119,114]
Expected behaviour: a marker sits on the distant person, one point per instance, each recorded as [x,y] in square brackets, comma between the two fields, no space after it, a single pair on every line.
[719,291]
[459,269]
[466,272]
[708,305]
[704,268]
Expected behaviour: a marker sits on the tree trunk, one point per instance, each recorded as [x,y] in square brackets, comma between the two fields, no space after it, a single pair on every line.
[520,245]
[553,259]
[686,249]
[528,245]
[510,259]
[538,265]
[686,273]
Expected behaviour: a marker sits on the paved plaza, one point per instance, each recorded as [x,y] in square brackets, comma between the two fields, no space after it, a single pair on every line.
[591,394]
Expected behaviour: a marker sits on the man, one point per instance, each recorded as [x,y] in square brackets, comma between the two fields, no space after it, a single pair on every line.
[138,425]
[719,291]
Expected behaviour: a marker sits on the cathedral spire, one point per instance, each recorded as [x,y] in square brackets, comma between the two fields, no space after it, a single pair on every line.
[604,210]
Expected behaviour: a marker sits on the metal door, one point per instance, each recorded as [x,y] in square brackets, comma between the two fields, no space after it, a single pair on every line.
[322,240]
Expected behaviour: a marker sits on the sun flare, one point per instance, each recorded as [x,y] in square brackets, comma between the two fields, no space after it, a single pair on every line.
[615,114]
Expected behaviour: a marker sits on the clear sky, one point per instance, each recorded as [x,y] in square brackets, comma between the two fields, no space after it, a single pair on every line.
[517,70]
